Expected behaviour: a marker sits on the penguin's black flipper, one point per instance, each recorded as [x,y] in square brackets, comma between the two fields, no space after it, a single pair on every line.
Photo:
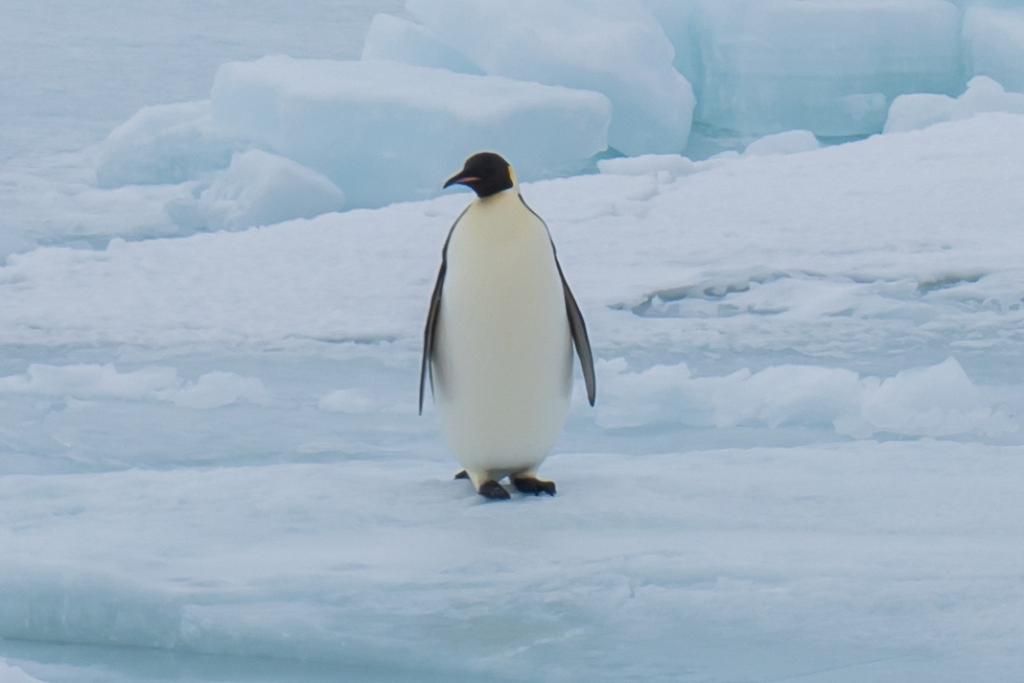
[428,332]
[578,329]
[461,474]
[430,329]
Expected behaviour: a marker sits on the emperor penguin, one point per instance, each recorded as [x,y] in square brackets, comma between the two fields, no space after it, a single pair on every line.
[499,338]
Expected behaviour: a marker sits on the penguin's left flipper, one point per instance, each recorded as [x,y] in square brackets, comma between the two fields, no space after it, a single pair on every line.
[461,474]
[533,485]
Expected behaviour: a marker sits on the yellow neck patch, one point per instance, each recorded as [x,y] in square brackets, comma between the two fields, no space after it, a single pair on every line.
[512,175]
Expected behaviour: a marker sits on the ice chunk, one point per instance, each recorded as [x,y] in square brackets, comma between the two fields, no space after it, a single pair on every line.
[258,188]
[985,95]
[994,44]
[400,40]
[828,67]
[939,400]
[168,143]
[615,48]
[385,132]
[790,142]
[910,112]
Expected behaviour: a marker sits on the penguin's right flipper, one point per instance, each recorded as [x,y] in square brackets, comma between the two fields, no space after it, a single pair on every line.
[461,474]
[492,490]
[430,329]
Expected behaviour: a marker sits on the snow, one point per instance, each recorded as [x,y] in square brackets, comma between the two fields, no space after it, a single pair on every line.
[258,188]
[790,142]
[806,444]
[383,131]
[910,112]
[671,165]
[614,48]
[828,67]
[994,43]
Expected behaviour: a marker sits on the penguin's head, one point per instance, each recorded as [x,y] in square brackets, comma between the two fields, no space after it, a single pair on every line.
[486,173]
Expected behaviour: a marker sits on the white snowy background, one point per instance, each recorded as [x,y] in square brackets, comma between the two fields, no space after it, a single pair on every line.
[795,227]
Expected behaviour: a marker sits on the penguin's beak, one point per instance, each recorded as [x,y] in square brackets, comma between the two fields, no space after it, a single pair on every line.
[461,179]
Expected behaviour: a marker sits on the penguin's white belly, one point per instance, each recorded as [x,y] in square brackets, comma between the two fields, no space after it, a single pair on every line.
[503,363]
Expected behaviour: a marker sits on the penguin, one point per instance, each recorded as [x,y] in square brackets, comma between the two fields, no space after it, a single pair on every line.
[499,337]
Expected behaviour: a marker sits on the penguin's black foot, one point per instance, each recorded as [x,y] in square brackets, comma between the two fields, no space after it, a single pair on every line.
[493,490]
[533,485]
[462,474]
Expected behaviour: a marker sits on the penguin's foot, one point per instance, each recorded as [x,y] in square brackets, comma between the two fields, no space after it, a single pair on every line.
[493,490]
[533,485]
[461,474]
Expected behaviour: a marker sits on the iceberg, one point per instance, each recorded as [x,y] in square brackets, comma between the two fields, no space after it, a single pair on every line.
[618,49]
[994,44]
[395,39]
[828,67]
[385,132]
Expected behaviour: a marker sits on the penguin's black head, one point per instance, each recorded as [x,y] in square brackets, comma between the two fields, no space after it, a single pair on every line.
[486,173]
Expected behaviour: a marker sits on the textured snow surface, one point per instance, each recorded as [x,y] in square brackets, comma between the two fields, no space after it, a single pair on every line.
[804,462]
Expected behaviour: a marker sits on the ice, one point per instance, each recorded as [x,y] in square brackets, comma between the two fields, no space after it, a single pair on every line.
[911,112]
[802,552]
[804,463]
[401,40]
[994,37]
[790,142]
[384,132]
[258,188]
[939,400]
[828,67]
[167,143]
[618,49]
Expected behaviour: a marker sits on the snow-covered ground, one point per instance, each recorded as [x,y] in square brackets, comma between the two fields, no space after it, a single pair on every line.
[804,460]
[804,464]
